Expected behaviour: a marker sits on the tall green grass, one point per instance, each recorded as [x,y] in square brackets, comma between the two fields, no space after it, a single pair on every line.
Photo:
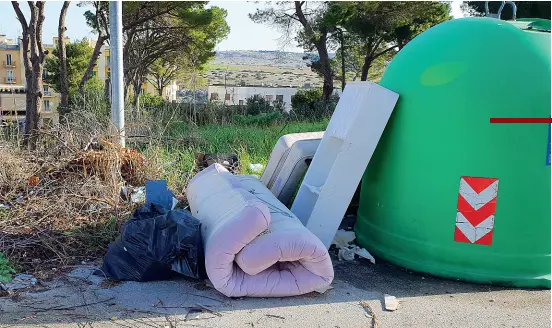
[256,142]
[251,144]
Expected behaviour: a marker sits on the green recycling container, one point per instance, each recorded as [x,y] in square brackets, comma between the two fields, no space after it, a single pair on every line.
[447,192]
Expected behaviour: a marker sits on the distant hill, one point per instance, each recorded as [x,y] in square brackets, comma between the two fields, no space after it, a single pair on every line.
[263,58]
[270,68]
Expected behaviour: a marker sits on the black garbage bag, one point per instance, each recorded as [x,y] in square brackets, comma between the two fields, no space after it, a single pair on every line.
[155,244]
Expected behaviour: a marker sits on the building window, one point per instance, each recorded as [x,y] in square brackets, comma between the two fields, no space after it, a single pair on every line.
[44,73]
[241,102]
[9,59]
[268,97]
[108,60]
[93,73]
[280,98]
[214,96]
[227,96]
[47,106]
[9,77]
[47,92]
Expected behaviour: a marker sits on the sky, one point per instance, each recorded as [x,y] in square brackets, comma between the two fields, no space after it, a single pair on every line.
[244,34]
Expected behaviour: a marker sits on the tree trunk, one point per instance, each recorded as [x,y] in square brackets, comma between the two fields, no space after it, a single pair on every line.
[127,87]
[137,87]
[63,76]
[95,55]
[33,57]
[321,46]
[366,67]
[327,87]
[343,73]
[107,89]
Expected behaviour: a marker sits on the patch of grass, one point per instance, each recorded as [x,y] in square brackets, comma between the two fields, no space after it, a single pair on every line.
[251,143]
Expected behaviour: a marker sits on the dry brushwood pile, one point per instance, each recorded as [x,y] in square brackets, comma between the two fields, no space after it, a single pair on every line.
[62,202]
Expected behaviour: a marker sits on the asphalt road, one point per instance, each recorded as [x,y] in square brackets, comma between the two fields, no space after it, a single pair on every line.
[82,300]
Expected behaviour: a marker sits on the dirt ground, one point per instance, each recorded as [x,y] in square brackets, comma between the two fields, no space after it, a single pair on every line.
[80,299]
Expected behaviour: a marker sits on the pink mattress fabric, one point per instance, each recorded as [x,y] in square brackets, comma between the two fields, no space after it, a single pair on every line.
[254,246]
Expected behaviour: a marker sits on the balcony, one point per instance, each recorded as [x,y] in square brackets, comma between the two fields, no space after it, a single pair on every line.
[8,64]
[9,80]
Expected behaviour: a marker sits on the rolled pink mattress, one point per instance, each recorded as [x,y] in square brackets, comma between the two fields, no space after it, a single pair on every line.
[254,245]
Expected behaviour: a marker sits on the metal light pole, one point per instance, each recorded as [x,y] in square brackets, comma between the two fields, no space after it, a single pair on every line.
[117,84]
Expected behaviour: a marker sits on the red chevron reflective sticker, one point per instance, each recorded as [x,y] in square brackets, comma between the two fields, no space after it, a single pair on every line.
[476,210]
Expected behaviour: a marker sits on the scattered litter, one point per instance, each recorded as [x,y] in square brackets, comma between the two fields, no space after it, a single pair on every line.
[99,206]
[391,303]
[343,238]
[33,181]
[156,242]
[138,195]
[4,207]
[20,281]
[365,254]
[323,290]
[157,193]
[345,253]
[125,193]
[19,199]
[229,161]
[369,313]
[256,168]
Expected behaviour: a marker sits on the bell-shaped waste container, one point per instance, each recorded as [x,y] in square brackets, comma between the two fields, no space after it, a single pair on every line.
[447,192]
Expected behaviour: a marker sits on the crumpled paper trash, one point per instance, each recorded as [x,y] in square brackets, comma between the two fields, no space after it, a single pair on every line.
[343,240]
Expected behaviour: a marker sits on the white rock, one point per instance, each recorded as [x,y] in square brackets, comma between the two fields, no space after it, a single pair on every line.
[391,302]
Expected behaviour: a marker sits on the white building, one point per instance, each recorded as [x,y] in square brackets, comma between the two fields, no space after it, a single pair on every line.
[237,95]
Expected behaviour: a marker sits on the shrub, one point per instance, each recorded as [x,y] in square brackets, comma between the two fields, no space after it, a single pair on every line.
[5,269]
[147,100]
[309,105]
[258,104]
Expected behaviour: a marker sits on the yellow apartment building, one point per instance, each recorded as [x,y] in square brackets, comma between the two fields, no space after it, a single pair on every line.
[12,82]
[12,85]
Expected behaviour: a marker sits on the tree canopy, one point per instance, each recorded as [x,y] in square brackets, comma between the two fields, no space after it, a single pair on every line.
[162,30]
[383,27]
[367,34]
[78,55]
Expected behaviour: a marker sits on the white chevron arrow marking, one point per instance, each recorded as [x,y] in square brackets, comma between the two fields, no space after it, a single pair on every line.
[478,200]
[477,232]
